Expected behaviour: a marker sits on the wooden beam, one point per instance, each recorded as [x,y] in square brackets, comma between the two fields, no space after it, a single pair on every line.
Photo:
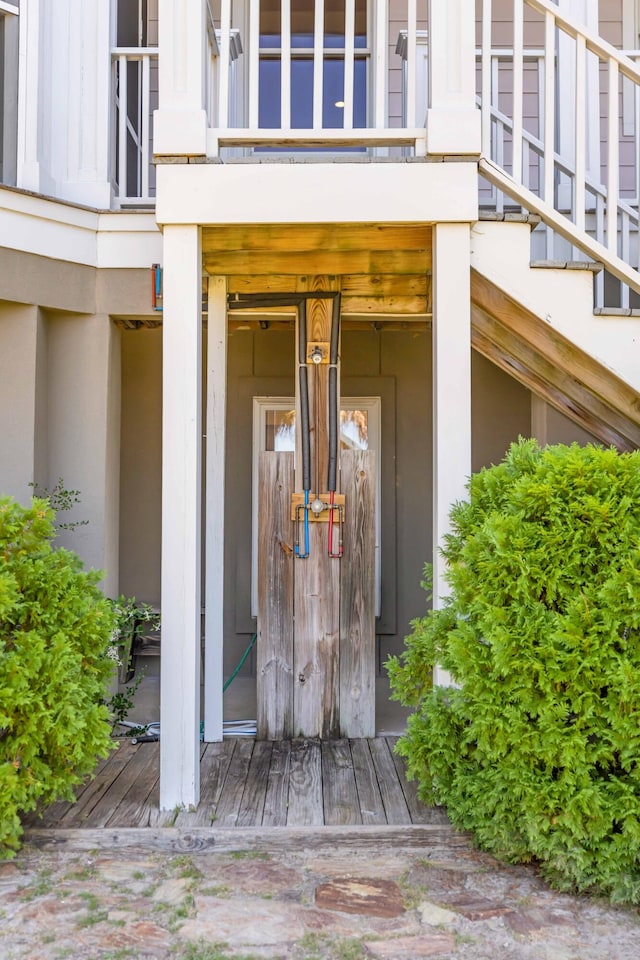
[560,353]
[328,262]
[335,237]
[557,385]
[351,285]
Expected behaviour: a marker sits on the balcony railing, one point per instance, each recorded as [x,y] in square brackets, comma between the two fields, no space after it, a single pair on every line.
[323,77]
[135,96]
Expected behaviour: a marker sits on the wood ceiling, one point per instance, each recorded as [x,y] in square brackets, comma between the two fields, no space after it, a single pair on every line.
[382,269]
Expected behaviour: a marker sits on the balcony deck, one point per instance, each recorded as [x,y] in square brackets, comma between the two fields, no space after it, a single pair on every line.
[249,783]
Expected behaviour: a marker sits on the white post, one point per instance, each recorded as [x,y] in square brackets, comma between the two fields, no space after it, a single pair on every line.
[85,159]
[181,514]
[180,123]
[28,168]
[453,122]
[451,390]
[214,563]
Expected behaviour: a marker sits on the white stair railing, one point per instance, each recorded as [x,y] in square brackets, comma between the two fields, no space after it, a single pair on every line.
[135,92]
[539,97]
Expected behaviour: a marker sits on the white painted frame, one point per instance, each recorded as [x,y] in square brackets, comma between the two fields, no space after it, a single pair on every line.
[373,406]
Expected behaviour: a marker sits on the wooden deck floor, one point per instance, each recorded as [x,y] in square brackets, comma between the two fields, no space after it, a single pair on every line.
[250,783]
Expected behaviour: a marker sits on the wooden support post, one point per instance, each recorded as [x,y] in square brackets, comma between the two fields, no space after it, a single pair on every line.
[181,522]
[358,596]
[215,470]
[317,579]
[275,597]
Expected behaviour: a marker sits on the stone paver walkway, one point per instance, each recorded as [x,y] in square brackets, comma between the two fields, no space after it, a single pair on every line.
[327,903]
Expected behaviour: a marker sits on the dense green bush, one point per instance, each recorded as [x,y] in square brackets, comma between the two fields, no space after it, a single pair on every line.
[537,750]
[55,630]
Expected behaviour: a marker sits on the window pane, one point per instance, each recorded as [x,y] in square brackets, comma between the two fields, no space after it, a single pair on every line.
[280,430]
[354,429]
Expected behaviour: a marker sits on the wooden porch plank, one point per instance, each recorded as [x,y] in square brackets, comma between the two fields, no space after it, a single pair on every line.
[305,784]
[419,812]
[228,806]
[214,765]
[134,810]
[255,791]
[108,774]
[136,780]
[339,791]
[275,597]
[277,797]
[357,596]
[369,796]
[56,811]
[392,797]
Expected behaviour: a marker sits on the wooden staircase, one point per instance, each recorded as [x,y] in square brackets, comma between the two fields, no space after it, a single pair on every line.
[539,325]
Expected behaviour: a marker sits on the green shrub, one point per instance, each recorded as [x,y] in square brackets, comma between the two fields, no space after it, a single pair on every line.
[537,749]
[55,629]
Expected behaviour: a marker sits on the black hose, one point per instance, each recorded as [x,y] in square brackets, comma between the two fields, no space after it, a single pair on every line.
[304,429]
[335,330]
[333,429]
[302,334]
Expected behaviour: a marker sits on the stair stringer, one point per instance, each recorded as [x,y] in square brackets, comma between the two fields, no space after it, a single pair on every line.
[517,321]
[561,298]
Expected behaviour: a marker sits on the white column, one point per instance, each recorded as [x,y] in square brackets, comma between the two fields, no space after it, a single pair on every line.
[214,562]
[453,122]
[180,123]
[87,121]
[83,432]
[181,516]
[451,390]
[21,341]
[28,170]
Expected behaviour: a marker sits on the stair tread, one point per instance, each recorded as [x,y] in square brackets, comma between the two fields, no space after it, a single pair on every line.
[594,266]
[616,311]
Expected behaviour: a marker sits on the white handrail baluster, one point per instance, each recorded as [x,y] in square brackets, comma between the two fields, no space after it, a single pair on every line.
[285,65]
[318,64]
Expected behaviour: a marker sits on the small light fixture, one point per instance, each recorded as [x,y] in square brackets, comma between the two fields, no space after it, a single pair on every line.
[339,103]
